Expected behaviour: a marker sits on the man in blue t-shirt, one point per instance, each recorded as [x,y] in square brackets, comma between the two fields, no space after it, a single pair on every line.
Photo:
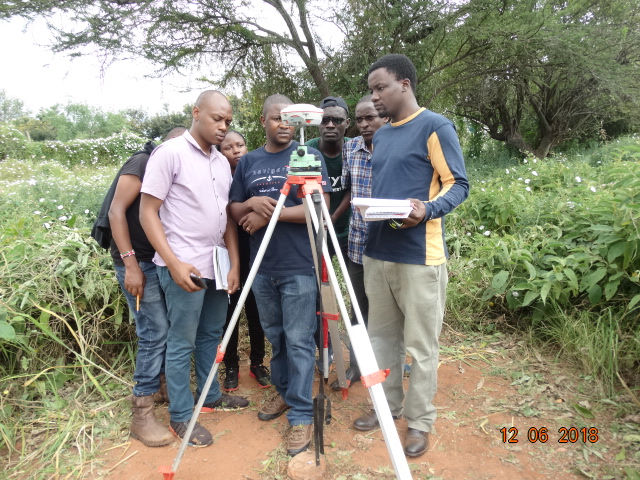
[417,157]
[285,286]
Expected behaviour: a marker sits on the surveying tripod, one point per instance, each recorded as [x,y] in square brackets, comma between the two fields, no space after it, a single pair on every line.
[305,171]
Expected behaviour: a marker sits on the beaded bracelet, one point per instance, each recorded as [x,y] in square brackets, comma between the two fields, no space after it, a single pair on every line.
[127,254]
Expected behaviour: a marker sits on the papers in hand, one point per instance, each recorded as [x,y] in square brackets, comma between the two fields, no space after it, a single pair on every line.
[373,209]
[221,267]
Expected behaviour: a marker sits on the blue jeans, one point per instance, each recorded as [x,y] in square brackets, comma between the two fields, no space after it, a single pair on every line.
[196,322]
[151,327]
[287,307]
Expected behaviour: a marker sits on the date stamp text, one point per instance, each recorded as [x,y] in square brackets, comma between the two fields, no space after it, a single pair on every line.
[543,435]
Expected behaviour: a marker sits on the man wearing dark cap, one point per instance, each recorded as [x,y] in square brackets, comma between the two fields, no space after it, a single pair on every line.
[334,124]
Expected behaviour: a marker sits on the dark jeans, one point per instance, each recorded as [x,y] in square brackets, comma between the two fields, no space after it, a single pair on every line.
[196,321]
[256,335]
[288,314]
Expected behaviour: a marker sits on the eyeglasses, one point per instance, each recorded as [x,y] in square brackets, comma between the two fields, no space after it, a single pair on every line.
[368,118]
[334,120]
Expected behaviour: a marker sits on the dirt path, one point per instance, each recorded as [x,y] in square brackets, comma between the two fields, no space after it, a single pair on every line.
[482,390]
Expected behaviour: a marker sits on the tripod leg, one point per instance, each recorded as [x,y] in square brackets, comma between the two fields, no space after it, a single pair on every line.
[326,293]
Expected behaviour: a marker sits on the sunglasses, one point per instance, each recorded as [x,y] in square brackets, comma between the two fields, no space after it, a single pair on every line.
[335,120]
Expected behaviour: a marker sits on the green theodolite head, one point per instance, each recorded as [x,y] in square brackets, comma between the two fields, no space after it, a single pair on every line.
[303,115]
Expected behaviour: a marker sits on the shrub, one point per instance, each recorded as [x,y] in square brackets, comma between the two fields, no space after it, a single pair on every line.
[13,143]
[111,150]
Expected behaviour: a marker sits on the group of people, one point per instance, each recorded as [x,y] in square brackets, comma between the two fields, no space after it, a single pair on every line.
[172,204]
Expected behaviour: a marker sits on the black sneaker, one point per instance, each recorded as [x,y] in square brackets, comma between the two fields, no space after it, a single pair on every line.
[226,403]
[200,436]
[261,374]
[231,379]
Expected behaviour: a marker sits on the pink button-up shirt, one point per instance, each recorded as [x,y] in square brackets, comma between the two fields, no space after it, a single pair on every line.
[194,188]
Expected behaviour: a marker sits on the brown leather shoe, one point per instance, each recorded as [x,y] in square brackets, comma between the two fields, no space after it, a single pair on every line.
[299,438]
[274,407]
[416,442]
[368,421]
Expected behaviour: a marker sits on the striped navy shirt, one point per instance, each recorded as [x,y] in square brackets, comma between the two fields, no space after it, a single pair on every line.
[418,157]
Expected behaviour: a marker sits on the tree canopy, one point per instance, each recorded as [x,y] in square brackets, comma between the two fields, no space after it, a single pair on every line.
[532,74]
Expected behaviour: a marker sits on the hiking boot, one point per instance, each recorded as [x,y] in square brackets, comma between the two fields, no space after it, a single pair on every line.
[299,438]
[352,375]
[226,403]
[261,374]
[231,379]
[369,421]
[144,424]
[273,408]
[162,395]
[200,436]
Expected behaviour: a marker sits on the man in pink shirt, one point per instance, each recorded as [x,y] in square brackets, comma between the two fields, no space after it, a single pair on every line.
[183,211]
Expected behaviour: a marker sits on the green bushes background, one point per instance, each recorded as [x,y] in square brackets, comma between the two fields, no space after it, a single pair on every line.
[112,150]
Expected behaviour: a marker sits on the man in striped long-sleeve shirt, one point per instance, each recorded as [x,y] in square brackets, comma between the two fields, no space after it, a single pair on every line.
[416,156]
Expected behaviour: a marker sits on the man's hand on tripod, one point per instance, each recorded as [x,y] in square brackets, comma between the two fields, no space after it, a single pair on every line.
[263,206]
[252,222]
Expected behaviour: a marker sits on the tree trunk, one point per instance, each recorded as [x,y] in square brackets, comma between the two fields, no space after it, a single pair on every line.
[544,146]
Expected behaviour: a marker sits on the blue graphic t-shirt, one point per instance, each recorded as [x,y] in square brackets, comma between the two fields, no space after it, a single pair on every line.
[260,173]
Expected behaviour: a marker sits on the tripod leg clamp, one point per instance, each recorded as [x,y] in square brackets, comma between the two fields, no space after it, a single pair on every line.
[374,378]
[219,354]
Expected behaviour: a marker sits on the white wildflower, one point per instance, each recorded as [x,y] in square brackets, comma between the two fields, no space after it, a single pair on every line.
[534,173]
[526,180]
[36,212]
[60,207]
[593,189]
[46,225]
[487,233]
[578,179]
[528,189]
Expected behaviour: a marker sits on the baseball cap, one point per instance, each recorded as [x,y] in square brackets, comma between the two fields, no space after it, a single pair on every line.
[334,102]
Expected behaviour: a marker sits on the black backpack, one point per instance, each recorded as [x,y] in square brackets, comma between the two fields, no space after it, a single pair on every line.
[101,230]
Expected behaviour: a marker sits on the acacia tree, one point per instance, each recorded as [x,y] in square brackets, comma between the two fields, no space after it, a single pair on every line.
[553,71]
[226,35]
[532,73]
